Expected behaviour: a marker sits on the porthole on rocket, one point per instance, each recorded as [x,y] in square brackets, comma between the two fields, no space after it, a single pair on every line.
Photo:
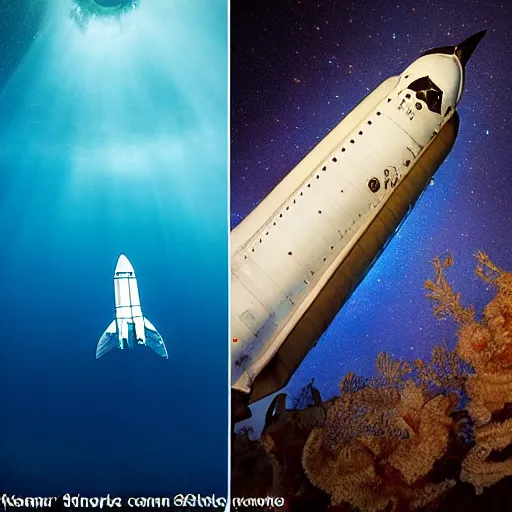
[374,185]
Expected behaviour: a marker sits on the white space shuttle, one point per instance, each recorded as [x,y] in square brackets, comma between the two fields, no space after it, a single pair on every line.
[129,328]
[302,251]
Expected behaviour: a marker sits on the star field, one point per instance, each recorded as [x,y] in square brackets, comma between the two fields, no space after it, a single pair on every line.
[296,70]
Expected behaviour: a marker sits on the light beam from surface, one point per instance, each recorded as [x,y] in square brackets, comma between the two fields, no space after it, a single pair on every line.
[143,102]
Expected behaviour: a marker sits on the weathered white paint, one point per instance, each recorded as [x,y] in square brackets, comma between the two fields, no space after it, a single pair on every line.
[293,243]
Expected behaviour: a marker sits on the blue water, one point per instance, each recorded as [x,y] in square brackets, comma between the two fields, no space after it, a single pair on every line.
[113,141]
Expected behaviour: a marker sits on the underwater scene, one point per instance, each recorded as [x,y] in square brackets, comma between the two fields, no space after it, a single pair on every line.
[370,356]
[114,233]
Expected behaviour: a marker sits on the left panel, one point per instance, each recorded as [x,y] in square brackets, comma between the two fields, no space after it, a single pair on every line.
[113,261]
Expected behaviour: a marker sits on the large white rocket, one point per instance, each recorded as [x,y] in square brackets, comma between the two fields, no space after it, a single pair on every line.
[302,251]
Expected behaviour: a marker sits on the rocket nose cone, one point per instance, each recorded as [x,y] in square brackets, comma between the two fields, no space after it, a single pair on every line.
[465,49]
[123,264]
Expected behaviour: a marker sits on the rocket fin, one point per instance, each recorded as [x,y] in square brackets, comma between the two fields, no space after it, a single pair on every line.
[154,340]
[108,340]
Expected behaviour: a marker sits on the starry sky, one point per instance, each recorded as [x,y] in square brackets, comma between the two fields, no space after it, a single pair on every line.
[298,68]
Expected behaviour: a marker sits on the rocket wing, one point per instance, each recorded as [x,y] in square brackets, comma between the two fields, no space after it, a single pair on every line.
[154,340]
[108,340]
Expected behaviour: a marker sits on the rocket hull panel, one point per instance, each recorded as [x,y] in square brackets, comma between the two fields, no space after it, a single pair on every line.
[242,233]
[305,327]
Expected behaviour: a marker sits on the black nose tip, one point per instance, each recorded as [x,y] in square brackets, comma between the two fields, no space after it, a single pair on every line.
[465,49]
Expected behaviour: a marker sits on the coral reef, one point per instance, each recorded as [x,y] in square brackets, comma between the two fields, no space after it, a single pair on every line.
[477,468]
[379,442]
[419,435]
[487,346]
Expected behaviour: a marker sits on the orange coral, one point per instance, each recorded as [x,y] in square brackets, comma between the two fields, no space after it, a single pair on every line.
[391,371]
[445,370]
[429,426]
[347,474]
[446,301]
[498,316]
[473,343]
[378,443]
[486,345]
[488,393]
[477,469]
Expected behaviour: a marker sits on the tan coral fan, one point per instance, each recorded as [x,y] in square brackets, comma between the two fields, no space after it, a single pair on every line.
[487,346]
[379,442]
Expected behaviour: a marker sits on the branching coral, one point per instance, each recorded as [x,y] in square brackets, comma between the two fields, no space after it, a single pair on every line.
[446,301]
[391,372]
[429,426]
[446,371]
[353,475]
[378,443]
[347,474]
[477,468]
[370,412]
[488,393]
[487,346]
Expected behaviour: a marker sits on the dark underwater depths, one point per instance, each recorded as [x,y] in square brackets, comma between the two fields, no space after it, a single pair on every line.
[296,71]
[130,423]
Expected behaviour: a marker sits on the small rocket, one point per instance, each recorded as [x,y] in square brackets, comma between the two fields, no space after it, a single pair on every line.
[129,328]
[298,256]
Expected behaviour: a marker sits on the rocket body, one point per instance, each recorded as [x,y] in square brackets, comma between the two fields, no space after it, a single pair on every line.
[129,319]
[299,255]
[129,327]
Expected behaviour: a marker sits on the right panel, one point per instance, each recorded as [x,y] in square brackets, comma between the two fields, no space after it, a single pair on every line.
[360,137]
